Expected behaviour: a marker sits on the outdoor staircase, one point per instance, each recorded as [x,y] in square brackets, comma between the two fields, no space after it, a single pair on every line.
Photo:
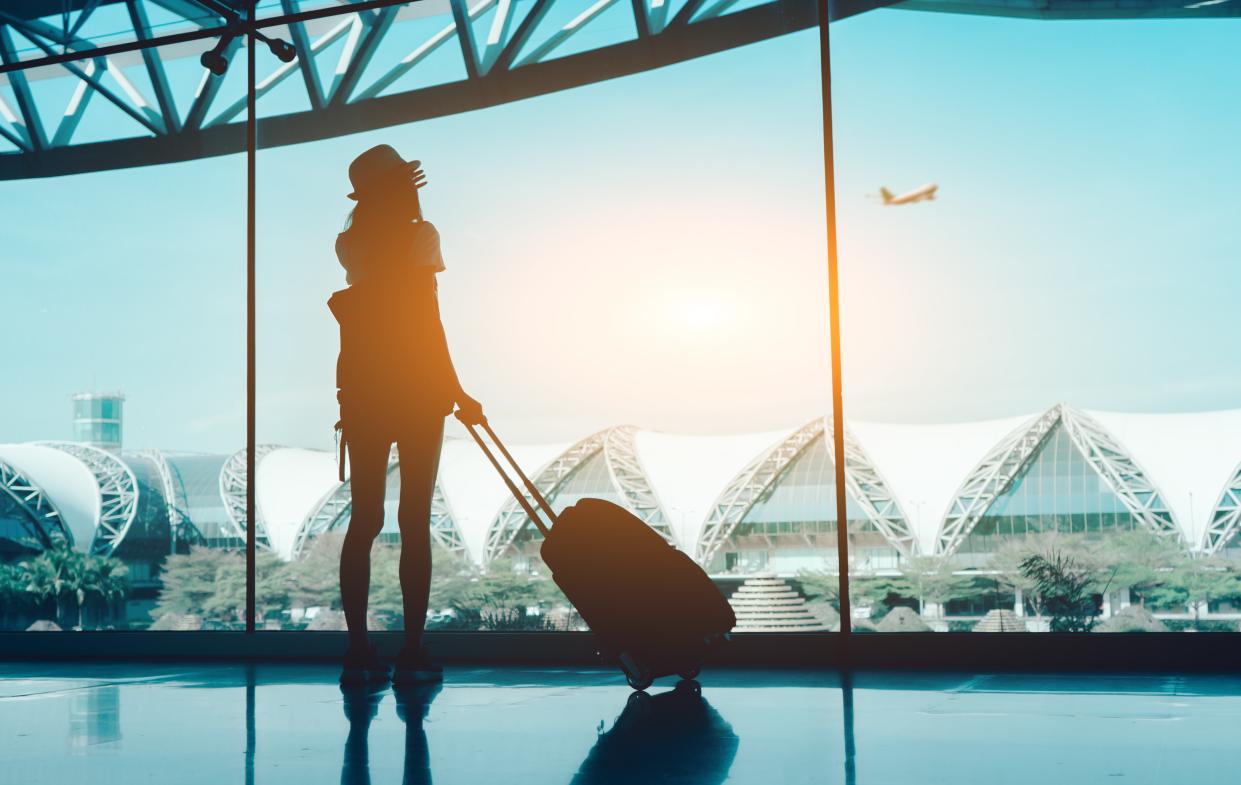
[1001,620]
[766,603]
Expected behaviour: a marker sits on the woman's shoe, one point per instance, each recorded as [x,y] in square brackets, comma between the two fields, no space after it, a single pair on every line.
[362,666]
[413,666]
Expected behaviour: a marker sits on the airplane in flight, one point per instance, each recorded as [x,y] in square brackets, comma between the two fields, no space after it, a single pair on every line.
[925,193]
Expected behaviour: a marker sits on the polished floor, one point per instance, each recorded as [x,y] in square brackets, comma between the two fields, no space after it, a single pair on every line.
[278,725]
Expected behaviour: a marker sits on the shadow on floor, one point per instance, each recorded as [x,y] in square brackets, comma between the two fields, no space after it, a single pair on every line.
[412,705]
[674,736]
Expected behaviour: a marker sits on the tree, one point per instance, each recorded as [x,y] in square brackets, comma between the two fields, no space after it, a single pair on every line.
[314,579]
[497,598]
[820,586]
[228,601]
[211,582]
[1065,587]
[191,580]
[385,591]
[1007,561]
[61,572]
[880,593]
[1196,582]
[876,592]
[13,595]
[1137,560]
[42,579]
[933,579]
[106,578]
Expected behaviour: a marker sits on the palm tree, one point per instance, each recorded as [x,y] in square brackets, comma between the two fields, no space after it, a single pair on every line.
[104,576]
[44,577]
[62,571]
[12,592]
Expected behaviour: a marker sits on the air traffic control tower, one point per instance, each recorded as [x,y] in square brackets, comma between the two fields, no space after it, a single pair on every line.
[97,419]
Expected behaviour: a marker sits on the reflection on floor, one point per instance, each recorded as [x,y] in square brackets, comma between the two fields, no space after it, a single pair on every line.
[271,724]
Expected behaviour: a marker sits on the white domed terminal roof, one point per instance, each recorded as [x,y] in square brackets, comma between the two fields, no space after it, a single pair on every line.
[475,493]
[924,465]
[912,475]
[1190,457]
[291,483]
[66,481]
[689,472]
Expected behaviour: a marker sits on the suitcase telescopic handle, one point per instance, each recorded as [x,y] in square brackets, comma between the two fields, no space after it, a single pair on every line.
[504,474]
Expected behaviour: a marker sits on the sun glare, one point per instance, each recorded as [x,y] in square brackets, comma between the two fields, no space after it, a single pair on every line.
[700,313]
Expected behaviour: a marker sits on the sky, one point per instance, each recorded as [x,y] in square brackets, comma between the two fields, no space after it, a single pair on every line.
[650,250]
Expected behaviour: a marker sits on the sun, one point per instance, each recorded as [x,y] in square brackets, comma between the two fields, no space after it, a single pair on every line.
[700,313]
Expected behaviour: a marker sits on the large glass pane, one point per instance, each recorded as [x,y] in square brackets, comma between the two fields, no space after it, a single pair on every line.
[1033,339]
[635,290]
[124,306]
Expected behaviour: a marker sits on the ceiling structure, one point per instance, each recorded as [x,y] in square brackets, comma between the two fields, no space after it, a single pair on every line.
[370,67]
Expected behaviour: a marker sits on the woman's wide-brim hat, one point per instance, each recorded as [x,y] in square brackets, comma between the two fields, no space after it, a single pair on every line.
[377,167]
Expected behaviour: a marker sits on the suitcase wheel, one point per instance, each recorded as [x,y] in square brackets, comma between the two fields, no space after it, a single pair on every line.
[690,673]
[690,686]
[639,683]
[638,676]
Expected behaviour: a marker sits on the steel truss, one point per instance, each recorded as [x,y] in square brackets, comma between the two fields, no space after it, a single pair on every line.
[44,521]
[233,492]
[865,486]
[333,511]
[870,492]
[520,57]
[1121,473]
[181,529]
[118,493]
[505,65]
[1226,518]
[631,481]
[991,478]
[751,485]
[512,520]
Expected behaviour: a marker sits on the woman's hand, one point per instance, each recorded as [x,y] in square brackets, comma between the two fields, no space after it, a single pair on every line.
[469,411]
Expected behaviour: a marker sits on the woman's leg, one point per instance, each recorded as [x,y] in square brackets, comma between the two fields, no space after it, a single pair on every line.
[420,458]
[368,464]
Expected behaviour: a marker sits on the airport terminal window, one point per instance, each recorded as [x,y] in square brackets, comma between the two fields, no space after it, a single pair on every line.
[1024,412]
[589,343]
[133,328]
[1010,394]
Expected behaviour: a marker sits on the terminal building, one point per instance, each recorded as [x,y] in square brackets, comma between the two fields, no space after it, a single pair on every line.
[739,504]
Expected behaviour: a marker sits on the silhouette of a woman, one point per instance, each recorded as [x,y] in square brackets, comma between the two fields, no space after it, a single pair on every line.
[396,384]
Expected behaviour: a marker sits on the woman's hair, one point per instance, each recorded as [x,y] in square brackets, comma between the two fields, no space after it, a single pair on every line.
[379,211]
[370,215]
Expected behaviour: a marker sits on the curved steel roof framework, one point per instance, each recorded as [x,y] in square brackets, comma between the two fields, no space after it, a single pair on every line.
[866,487]
[512,520]
[997,472]
[1226,519]
[183,530]
[233,492]
[46,525]
[994,475]
[118,493]
[334,509]
[870,492]
[748,487]
[631,481]
[520,57]
[625,470]
[1121,473]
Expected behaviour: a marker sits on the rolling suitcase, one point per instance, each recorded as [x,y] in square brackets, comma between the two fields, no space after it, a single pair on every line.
[652,609]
